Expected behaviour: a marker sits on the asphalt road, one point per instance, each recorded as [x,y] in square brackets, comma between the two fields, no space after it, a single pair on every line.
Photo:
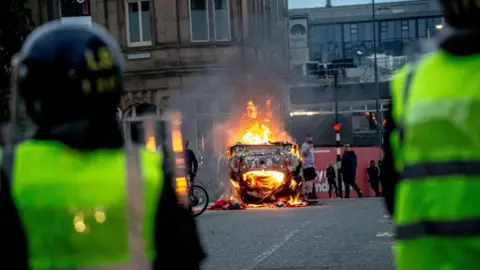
[339,234]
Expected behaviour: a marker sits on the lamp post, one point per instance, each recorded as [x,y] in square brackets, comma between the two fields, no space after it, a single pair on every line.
[337,127]
[375,68]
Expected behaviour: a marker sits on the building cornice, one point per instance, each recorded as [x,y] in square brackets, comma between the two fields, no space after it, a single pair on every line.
[173,45]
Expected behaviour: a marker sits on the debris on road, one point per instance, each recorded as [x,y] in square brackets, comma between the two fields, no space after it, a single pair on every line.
[231,204]
[227,204]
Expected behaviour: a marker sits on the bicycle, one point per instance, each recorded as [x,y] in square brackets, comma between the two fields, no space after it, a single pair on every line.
[198,196]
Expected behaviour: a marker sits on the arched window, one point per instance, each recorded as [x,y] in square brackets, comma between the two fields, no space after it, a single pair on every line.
[142,110]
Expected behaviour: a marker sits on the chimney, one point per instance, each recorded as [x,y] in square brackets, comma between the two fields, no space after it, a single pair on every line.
[329,4]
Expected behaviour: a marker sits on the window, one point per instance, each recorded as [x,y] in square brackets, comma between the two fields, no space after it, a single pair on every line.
[223,131]
[199,30]
[353,28]
[362,123]
[222,20]
[408,29]
[383,31]
[422,27]
[203,106]
[205,136]
[139,31]
[431,26]
[386,106]
[360,108]
[224,106]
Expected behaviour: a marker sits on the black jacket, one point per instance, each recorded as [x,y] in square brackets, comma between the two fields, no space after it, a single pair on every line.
[349,163]
[191,162]
[373,173]
[330,173]
[176,238]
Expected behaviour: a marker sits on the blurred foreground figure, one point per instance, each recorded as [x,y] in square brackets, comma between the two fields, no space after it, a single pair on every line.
[432,155]
[72,197]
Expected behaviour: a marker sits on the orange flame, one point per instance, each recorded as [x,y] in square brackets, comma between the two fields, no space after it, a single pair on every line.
[257,133]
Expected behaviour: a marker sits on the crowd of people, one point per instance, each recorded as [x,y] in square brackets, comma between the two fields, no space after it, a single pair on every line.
[345,175]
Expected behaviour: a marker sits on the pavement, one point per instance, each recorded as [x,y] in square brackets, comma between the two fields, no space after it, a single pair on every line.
[348,234]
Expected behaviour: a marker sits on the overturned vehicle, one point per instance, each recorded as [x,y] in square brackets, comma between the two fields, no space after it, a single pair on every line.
[265,173]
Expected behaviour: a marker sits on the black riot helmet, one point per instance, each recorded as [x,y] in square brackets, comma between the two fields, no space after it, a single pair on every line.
[67,73]
[462,14]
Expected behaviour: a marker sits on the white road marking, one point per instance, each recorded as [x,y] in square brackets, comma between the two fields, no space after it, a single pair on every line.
[262,257]
[385,234]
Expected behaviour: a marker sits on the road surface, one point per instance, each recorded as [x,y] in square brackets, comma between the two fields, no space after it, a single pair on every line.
[339,234]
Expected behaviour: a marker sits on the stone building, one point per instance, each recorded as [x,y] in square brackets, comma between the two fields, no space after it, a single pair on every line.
[190,54]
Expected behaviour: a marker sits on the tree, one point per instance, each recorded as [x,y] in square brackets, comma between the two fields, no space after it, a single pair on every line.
[15,24]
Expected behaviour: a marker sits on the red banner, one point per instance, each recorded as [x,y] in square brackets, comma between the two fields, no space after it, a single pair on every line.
[325,155]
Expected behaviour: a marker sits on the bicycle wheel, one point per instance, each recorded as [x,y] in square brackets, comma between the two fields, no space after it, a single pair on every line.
[199,200]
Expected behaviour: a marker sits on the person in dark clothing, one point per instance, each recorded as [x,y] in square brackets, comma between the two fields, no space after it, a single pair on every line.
[191,162]
[373,177]
[332,184]
[83,133]
[340,183]
[349,171]
[380,178]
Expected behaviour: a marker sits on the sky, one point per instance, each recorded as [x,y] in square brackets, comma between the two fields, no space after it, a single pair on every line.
[321,3]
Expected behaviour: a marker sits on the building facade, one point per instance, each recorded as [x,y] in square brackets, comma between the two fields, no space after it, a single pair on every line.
[333,36]
[188,54]
[343,42]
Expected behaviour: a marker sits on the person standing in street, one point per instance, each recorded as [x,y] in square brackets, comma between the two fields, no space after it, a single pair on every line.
[380,178]
[72,197]
[373,177]
[431,167]
[308,166]
[332,184]
[191,162]
[349,171]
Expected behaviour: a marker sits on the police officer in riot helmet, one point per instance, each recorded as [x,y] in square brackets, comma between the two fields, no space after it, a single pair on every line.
[460,38]
[63,194]
[430,167]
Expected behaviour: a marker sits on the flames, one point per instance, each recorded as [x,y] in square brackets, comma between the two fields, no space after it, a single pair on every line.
[258,134]
[267,178]
[259,124]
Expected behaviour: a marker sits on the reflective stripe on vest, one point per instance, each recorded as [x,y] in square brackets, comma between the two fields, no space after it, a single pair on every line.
[79,212]
[441,168]
[439,152]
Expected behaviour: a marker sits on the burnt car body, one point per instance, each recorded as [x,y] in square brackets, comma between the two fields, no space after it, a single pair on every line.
[262,173]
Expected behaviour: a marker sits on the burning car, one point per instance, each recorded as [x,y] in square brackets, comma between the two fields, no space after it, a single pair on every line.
[264,167]
[263,173]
